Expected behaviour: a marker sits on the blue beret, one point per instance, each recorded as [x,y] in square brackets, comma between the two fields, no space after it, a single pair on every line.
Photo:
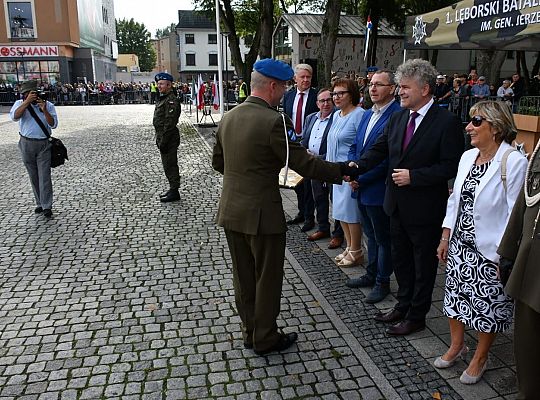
[163,76]
[274,69]
[372,69]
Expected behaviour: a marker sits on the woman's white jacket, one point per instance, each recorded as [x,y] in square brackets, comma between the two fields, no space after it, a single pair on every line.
[492,204]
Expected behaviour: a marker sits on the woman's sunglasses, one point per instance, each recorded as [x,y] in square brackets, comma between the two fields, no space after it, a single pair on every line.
[477,120]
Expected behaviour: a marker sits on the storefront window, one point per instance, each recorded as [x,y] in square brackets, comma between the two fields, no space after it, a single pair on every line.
[8,67]
[30,66]
[21,21]
[8,78]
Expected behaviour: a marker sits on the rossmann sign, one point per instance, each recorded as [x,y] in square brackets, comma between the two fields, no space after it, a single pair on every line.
[28,51]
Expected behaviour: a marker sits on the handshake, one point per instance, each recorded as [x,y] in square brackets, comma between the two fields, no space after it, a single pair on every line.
[349,168]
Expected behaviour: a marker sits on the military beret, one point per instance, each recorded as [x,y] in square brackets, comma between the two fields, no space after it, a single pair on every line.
[372,69]
[163,76]
[274,69]
[29,86]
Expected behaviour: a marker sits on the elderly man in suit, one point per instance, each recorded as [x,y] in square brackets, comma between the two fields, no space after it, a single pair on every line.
[298,103]
[371,186]
[314,139]
[520,251]
[423,144]
[252,143]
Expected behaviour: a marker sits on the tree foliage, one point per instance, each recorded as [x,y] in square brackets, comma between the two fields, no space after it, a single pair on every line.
[161,33]
[134,38]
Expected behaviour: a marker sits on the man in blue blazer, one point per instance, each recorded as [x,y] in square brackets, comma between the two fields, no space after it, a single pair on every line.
[298,103]
[370,188]
[314,139]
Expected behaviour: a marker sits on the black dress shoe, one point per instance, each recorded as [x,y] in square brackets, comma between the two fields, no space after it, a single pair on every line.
[308,225]
[406,327]
[165,194]
[391,316]
[173,195]
[47,213]
[285,341]
[363,281]
[296,220]
[38,210]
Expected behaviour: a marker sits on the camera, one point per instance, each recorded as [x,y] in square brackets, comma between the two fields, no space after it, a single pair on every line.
[41,95]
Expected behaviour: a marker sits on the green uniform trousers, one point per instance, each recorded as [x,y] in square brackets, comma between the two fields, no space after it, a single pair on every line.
[527,351]
[169,159]
[258,279]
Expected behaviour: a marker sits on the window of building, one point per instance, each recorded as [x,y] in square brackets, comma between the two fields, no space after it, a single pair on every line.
[190,38]
[21,19]
[212,38]
[18,71]
[190,60]
[248,40]
[212,59]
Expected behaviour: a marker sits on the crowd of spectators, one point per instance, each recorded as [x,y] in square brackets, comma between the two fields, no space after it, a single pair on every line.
[86,93]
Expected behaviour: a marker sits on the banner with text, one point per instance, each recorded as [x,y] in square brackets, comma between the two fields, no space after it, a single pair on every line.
[477,24]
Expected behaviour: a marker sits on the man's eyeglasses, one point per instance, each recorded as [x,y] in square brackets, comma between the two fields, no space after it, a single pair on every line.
[322,101]
[378,85]
[339,95]
[477,120]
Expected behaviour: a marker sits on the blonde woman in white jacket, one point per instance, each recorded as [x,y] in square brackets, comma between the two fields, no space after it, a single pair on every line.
[476,217]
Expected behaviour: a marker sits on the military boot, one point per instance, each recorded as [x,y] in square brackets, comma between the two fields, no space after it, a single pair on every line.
[172,195]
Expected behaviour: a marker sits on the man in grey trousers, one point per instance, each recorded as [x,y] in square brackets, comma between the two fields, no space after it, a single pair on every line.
[34,144]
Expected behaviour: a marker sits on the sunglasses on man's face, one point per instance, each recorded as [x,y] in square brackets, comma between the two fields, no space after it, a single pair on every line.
[477,120]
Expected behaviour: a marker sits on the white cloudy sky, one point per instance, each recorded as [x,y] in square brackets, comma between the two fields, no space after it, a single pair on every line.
[156,14]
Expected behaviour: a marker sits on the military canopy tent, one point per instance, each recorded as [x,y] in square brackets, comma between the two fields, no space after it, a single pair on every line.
[477,24]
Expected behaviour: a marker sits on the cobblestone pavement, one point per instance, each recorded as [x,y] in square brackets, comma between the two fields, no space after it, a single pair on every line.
[122,297]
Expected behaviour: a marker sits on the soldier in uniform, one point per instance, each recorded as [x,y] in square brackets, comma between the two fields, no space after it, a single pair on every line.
[165,120]
[252,144]
[520,252]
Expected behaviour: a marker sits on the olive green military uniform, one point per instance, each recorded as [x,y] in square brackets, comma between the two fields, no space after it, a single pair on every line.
[521,242]
[367,103]
[250,150]
[166,116]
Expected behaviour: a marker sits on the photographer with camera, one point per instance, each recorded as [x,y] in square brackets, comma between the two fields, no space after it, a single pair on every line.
[34,145]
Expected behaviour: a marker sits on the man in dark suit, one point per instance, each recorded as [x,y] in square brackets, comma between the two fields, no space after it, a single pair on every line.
[252,143]
[314,139]
[371,186]
[423,144]
[298,103]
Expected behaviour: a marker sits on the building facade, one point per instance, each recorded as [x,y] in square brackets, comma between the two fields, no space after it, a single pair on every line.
[57,41]
[167,54]
[198,48]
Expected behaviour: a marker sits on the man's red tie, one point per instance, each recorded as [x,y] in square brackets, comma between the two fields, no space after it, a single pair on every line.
[299,109]
[410,130]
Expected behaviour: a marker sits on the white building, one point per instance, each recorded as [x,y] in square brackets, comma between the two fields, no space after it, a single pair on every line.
[198,48]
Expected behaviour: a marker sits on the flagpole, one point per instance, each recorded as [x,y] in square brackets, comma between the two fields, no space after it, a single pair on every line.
[220,63]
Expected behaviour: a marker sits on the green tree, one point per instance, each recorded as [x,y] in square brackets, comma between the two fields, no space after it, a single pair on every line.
[133,38]
[327,46]
[161,33]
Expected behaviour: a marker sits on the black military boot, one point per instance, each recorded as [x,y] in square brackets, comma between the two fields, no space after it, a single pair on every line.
[172,195]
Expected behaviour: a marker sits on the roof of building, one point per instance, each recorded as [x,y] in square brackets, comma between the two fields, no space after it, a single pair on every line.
[348,25]
[189,19]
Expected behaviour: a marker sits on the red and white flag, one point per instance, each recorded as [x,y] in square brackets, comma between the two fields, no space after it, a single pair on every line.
[215,93]
[200,94]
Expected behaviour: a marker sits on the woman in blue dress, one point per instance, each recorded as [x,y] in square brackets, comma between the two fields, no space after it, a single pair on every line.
[341,135]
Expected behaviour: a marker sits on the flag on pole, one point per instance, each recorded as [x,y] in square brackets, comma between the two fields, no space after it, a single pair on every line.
[369,27]
[200,93]
[215,93]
